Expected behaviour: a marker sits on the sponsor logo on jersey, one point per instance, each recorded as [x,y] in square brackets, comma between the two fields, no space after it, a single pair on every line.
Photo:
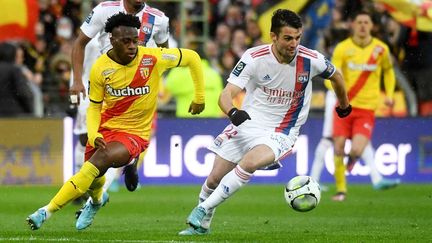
[362,66]
[128,91]
[303,77]
[108,71]
[283,92]
[147,61]
[239,68]
[89,17]
[267,78]
[170,57]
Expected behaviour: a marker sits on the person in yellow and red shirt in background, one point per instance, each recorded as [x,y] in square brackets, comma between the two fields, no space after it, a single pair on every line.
[363,61]
[124,85]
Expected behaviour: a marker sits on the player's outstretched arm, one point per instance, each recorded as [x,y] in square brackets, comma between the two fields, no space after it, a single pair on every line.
[191,59]
[389,79]
[77,66]
[338,84]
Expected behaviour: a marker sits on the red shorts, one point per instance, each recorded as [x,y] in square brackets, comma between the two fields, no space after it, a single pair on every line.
[134,144]
[360,121]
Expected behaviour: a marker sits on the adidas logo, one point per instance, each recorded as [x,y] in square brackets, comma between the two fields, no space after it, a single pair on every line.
[267,78]
[226,189]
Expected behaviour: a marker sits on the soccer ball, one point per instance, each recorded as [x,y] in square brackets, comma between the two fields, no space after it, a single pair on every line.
[302,193]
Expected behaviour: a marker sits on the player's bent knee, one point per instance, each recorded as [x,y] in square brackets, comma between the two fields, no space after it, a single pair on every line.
[212,182]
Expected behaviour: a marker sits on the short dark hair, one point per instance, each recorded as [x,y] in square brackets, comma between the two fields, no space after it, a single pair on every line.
[285,17]
[362,12]
[121,19]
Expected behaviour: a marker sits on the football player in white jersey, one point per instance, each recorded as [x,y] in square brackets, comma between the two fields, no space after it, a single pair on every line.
[278,81]
[154,32]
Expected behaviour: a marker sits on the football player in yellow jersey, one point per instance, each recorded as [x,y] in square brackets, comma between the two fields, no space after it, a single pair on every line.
[363,60]
[123,92]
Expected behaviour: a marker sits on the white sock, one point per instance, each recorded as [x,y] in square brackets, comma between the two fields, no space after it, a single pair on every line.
[79,153]
[229,184]
[318,162]
[369,159]
[110,176]
[204,194]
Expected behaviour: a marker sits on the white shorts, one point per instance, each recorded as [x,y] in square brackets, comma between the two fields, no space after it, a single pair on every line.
[330,102]
[80,121]
[234,142]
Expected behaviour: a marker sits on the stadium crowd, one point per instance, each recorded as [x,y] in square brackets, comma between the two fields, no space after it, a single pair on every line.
[233,28]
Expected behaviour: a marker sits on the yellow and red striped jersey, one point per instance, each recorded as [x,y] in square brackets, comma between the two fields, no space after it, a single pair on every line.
[362,68]
[128,93]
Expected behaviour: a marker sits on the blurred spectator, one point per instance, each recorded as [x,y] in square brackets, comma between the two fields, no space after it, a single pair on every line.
[47,19]
[34,81]
[239,42]
[223,37]
[36,55]
[228,60]
[417,65]
[254,34]
[211,48]
[234,17]
[16,96]
[56,87]
[336,32]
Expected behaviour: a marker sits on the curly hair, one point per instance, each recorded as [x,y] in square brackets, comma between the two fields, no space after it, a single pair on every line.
[121,19]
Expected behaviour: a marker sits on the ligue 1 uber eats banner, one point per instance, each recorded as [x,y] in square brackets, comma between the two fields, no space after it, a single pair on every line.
[178,152]
[40,151]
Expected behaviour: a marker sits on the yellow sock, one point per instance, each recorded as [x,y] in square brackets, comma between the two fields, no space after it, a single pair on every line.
[96,189]
[340,174]
[141,158]
[77,185]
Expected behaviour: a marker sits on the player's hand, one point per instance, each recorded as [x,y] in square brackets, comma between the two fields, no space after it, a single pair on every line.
[74,92]
[389,102]
[100,143]
[237,116]
[343,112]
[195,108]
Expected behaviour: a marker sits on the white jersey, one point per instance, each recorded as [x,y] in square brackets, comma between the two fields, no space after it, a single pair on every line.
[154,24]
[91,52]
[278,95]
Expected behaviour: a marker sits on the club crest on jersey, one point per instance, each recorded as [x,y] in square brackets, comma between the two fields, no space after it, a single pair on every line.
[239,68]
[377,51]
[303,77]
[147,28]
[144,72]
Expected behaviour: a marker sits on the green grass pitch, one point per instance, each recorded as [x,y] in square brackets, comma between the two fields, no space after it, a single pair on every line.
[257,213]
